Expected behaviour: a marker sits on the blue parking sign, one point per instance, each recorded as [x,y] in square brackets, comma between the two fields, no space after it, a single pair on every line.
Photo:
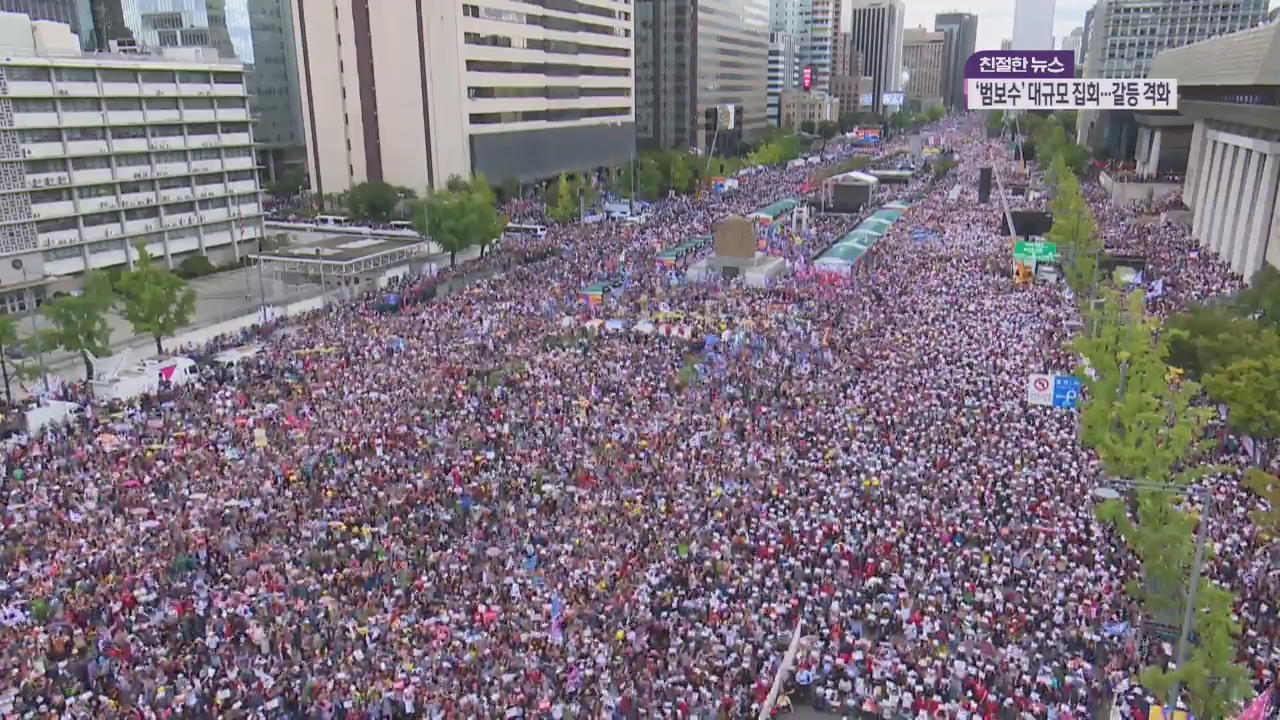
[1066,391]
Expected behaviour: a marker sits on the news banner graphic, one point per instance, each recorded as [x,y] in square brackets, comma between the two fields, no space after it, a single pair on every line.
[1045,80]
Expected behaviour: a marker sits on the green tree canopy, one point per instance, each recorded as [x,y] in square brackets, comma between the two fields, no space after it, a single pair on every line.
[1250,388]
[1205,339]
[375,200]
[154,301]
[456,220]
[562,201]
[16,369]
[80,321]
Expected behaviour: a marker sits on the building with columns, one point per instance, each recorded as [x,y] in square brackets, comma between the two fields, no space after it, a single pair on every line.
[1229,91]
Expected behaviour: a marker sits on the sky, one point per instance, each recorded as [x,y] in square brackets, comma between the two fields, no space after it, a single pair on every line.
[995,17]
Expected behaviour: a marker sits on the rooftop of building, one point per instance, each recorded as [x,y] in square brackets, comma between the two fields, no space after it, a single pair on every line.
[345,253]
[24,41]
[1247,57]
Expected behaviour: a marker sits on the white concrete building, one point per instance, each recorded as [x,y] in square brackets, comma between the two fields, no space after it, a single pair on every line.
[1074,41]
[1226,88]
[103,152]
[413,91]
[1033,25]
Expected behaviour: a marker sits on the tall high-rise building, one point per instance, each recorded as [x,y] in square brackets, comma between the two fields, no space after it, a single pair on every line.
[875,31]
[1084,42]
[1126,34]
[786,71]
[1073,41]
[74,13]
[1033,25]
[110,151]
[698,57]
[412,92]
[1124,37]
[923,55]
[961,30]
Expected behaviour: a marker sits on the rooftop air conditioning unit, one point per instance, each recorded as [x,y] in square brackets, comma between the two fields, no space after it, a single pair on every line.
[26,151]
[63,92]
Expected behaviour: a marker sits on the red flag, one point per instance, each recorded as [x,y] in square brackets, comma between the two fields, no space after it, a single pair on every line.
[1257,710]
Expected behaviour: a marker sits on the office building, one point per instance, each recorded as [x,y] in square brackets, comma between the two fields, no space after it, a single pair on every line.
[786,71]
[875,30]
[853,92]
[1126,35]
[961,31]
[73,13]
[1033,25]
[1226,89]
[1084,42]
[799,107]
[693,58]
[115,151]
[257,33]
[413,92]
[923,53]
[1074,42]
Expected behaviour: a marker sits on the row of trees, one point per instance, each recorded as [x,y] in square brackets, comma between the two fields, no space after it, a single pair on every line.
[1147,421]
[155,302]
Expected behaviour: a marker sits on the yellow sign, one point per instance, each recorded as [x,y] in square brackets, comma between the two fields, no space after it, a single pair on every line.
[260,437]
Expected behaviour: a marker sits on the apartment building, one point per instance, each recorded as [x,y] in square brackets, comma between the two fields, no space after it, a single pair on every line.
[105,152]
[923,55]
[693,58]
[414,91]
[961,30]
[875,30]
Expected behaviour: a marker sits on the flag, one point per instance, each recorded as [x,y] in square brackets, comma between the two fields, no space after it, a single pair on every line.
[1257,710]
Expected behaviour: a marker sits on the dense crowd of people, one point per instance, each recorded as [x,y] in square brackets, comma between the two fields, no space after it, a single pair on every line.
[476,508]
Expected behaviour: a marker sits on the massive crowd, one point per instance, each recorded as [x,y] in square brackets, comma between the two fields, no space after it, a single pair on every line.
[476,509]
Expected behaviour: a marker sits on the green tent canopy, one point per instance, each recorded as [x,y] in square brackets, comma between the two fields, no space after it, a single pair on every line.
[779,208]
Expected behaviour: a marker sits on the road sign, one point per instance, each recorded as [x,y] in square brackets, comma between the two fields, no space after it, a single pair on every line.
[1066,391]
[1029,252]
[1040,389]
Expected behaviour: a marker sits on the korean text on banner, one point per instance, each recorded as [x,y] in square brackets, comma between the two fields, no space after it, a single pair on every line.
[1071,94]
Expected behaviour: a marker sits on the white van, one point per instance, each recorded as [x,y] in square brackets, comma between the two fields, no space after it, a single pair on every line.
[53,412]
[142,379]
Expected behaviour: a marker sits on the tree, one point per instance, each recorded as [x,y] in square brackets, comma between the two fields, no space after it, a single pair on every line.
[935,113]
[1250,388]
[1074,231]
[565,206]
[457,220]
[1261,299]
[683,179]
[827,130]
[288,185]
[79,321]
[807,127]
[15,369]
[1267,486]
[1143,427]
[154,301]
[649,178]
[374,200]
[1204,340]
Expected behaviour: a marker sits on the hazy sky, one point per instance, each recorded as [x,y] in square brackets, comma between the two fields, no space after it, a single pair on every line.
[995,17]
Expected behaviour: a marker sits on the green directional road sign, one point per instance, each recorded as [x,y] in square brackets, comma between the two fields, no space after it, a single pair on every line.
[1029,252]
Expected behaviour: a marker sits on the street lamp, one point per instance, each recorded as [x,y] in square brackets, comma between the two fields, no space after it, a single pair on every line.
[44,374]
[1197,566]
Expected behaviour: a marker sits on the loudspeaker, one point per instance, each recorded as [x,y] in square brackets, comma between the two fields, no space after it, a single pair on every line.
[984,185]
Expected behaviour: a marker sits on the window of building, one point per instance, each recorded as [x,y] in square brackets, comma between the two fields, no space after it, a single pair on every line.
[50,196]
[75,75]
[162,103]
[133,160]
[206,154]
[55,225]
[33,105]
[170,157]
[157,76]
[209,179]
[224,78]
[106,246]
[86,133]
[202,129]
[118,76]
[142,213]
[26,73]
[129,132]
[192,76]
[166,131]
[231,103]
[99,219]
[234,127]
[197,103]
[237,152]
[39,167]
[41,135]
[124,104]
[91,163]
[131,188]
[179,208]
[96,191]
[174,183]
[240,175]
[66,252]
[212,203]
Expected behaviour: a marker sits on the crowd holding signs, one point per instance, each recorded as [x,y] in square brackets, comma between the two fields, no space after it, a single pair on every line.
[478,508]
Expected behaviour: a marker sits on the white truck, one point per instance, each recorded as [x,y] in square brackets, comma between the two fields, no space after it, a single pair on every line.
[53,412]
[228,359]
[113,382]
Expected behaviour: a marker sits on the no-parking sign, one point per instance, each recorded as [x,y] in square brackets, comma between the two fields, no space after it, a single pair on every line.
[1040,389]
